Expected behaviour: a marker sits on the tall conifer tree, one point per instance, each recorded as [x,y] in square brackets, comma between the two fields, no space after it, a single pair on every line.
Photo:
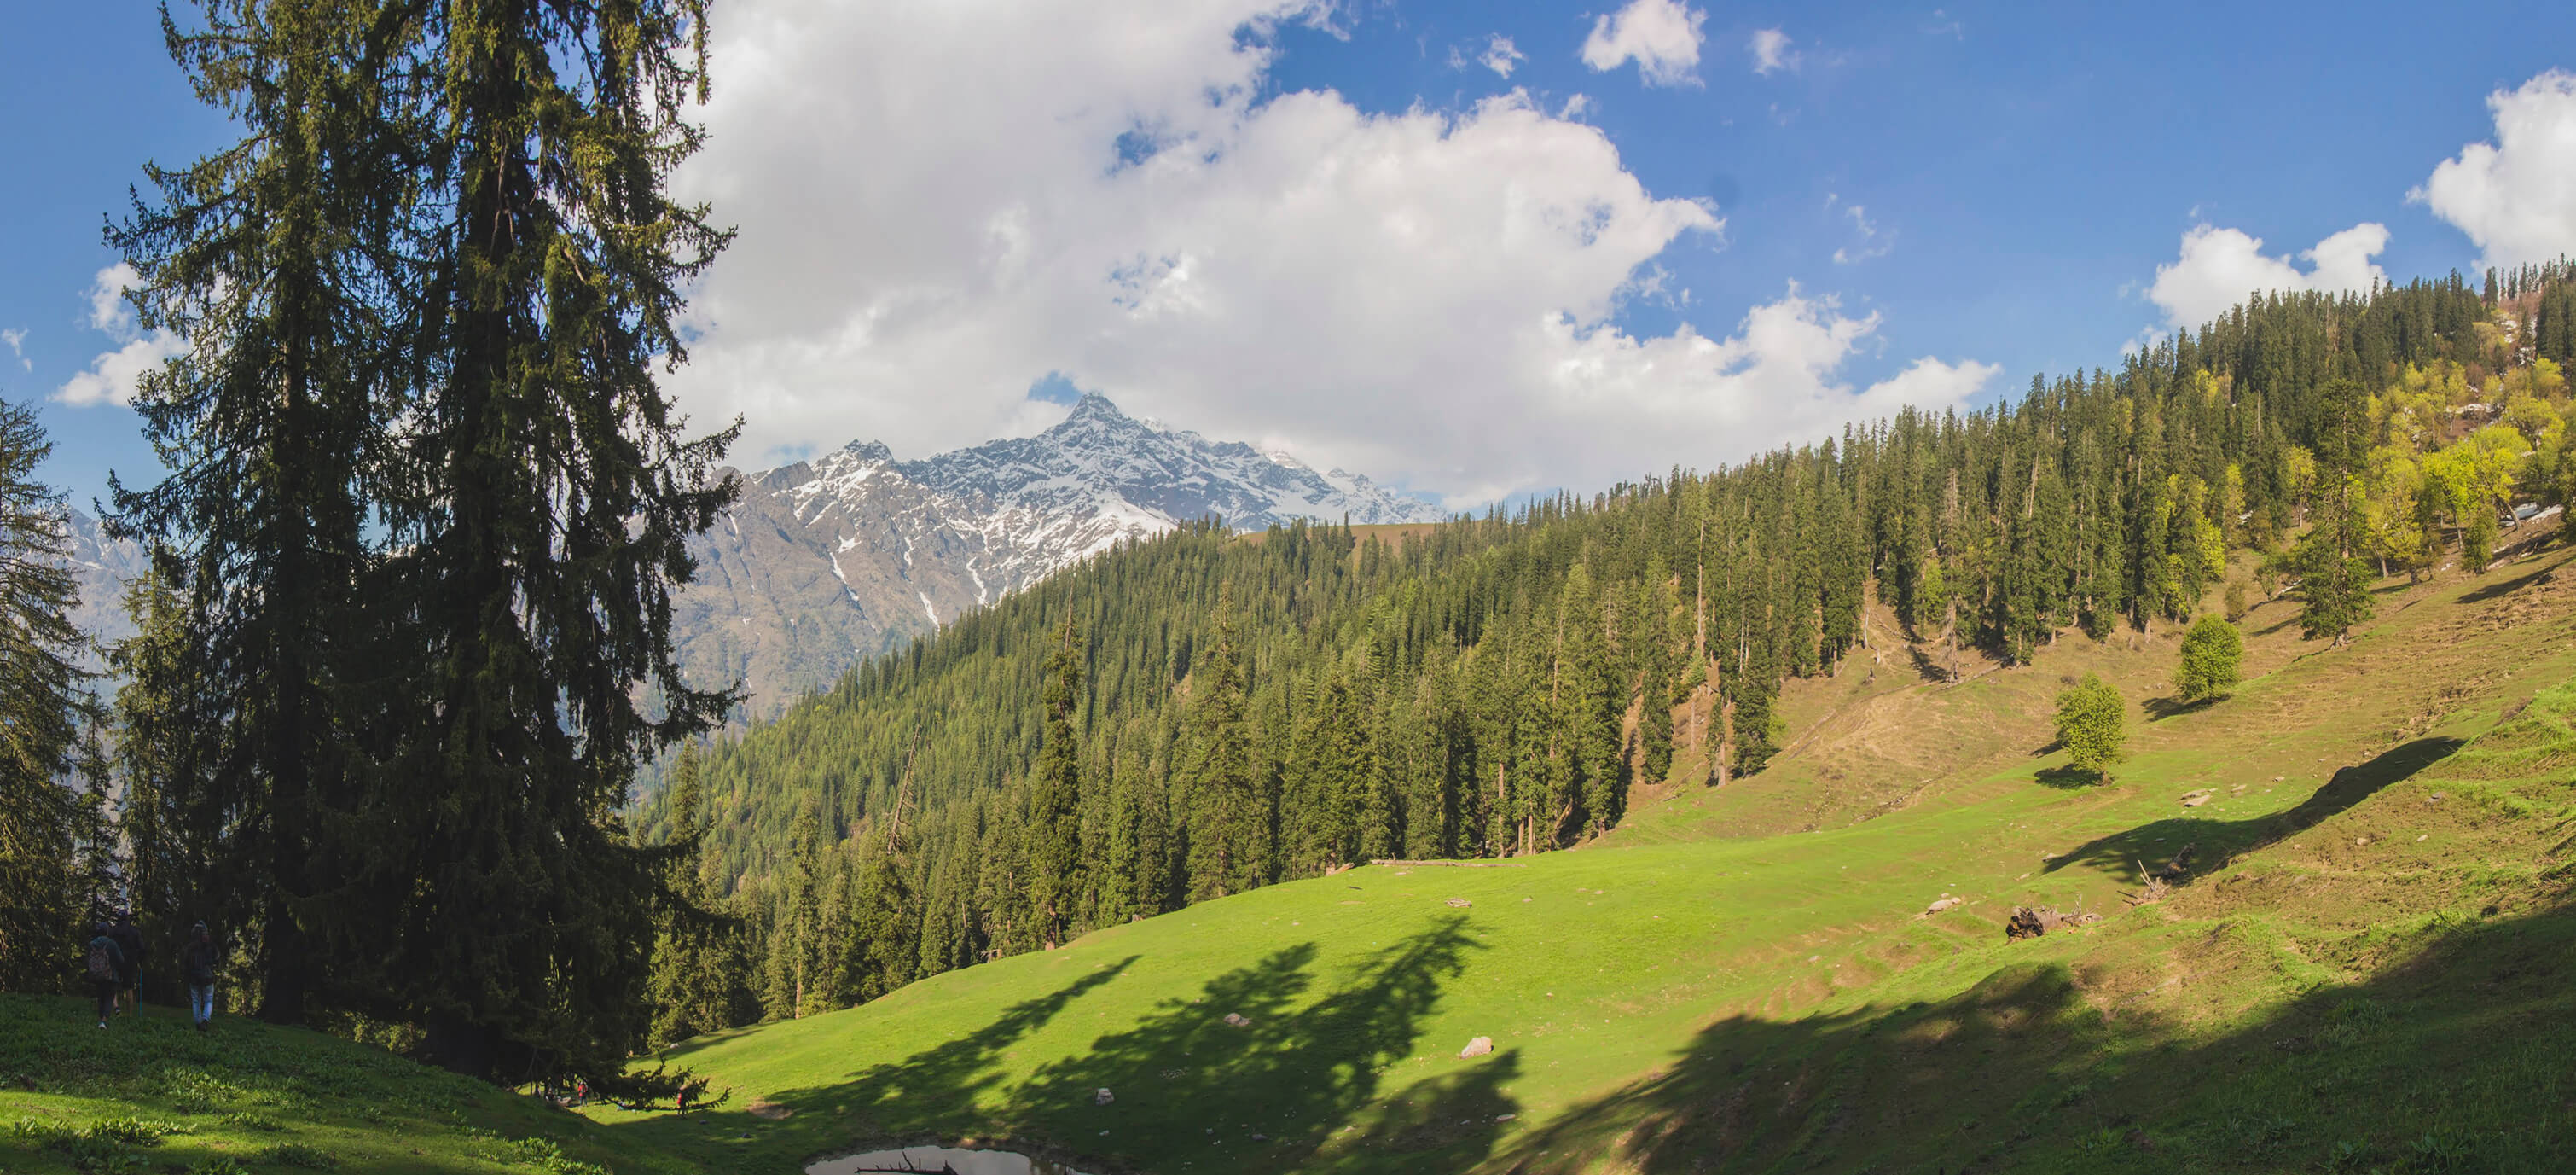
[546,491]
[284,260]
[1055,799]
[1228,829]
[2334,583]
[41,717]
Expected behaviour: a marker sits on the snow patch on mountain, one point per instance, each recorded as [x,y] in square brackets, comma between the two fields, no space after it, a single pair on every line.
[853,552]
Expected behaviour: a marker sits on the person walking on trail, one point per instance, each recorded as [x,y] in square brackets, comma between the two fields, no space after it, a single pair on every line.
[130,941]
[197,959]
[105,970]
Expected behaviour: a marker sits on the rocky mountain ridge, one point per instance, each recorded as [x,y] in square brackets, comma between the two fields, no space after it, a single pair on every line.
[827,561]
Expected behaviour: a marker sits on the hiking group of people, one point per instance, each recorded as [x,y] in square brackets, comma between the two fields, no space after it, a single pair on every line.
[114,968]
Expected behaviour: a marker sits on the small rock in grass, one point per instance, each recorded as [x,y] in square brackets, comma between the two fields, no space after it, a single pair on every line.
[1238,1020]
[1460,903]
[1477,1047]
[1946,903]
[2195,801]
[1506,1117]
[1102,1097]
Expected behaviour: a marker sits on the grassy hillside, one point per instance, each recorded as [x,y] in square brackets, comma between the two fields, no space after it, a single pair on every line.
[152,1094]
[2361,970]
[2366,970]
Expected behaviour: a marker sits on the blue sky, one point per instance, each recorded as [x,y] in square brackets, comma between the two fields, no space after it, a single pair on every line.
[1342,231]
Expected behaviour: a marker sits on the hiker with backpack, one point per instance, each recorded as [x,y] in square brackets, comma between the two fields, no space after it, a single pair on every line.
[129,941]
[105,969]
[197,960]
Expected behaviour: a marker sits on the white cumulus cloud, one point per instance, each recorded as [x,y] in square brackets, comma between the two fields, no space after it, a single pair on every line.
[114,375]
[1771,52]
[16,337]
[2219,267]
[939,206]
[2516,196]
[1662,36]
[1500,55]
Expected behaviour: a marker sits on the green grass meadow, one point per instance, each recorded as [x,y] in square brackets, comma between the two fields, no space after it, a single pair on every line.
[2365,968]
[1692,995]
[151,1094]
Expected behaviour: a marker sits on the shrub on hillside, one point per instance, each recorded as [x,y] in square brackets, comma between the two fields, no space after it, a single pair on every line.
[2092,723]
[2478,541]
[2211,654]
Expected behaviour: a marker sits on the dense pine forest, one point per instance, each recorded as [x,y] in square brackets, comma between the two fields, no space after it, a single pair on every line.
[1207,712]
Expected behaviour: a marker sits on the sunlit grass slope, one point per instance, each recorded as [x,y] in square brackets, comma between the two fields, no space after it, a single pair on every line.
[151,1094]
[2365,966]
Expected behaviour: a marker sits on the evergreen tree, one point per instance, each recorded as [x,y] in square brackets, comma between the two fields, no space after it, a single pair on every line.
[2334,583]
[278,259]
[170,813]
[42,711]
[1325,798]
[1591,753]
[1657,610]
[691,988]
[545,491]
[1228,827]
[1055,800]
[2478,541]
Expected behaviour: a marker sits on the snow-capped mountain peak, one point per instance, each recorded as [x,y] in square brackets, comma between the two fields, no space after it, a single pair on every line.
[853,552]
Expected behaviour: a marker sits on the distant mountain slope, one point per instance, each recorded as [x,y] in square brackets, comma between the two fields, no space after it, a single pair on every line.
[827,561]
[103,565]
[2364,958]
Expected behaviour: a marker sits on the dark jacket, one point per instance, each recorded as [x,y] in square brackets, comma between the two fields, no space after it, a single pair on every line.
[198,961]
[130,941]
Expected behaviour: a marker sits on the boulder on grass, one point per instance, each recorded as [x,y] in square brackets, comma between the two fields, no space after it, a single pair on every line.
[1477,1047]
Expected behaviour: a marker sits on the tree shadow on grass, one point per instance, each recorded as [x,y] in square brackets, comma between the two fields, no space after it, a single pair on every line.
[2044,1065]
[2278,625]
[1750,1092]
[2218,840]
[1282,1092]
[2066,778]
[2159,709]
[1924,666]
[951,1076]
[1310,1077]
[2506,587]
